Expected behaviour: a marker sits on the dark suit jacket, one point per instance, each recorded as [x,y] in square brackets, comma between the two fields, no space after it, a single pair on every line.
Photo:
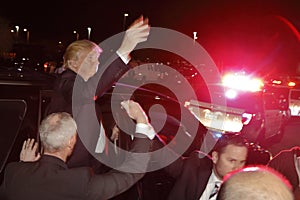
[50,179]
[284,163]
[80,102]
[192,175]
[86,92]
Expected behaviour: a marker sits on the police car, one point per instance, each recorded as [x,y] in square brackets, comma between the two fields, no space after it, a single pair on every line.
[258,111]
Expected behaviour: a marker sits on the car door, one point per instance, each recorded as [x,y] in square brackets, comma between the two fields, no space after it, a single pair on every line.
[273,116]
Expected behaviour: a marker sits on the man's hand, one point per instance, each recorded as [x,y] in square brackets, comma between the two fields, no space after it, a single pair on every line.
[135,111]
[28,152]
[136,33]
[115,133]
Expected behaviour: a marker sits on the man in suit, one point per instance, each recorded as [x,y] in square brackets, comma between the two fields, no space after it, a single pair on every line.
[49,178]
[259,183]
[199,178]
[287,162]
[77,88]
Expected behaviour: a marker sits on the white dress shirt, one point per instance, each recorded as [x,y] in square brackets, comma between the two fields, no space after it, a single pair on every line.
[145,129]
[213,179]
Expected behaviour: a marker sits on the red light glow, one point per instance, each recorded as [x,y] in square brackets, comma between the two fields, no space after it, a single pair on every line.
[242,82]
[291,84]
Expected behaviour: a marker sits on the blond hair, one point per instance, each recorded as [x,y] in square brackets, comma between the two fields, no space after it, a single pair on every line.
[76,48]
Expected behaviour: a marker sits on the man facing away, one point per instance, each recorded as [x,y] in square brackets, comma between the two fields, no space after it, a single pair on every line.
[287,162]
[259,183]
[49,177]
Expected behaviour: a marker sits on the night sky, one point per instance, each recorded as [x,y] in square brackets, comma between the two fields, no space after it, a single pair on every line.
[255,33]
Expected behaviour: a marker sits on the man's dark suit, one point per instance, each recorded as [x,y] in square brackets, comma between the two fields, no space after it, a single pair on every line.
[62,99]
[80,103]
[192,175]
[284,163]
[50,179]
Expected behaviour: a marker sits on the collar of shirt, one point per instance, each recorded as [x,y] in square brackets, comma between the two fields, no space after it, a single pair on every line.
[210,186]
[213,179]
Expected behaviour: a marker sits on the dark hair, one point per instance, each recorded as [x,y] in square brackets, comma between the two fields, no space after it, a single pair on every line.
[230,138]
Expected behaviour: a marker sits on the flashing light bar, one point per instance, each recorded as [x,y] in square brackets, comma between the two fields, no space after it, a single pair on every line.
[278,82]
[291,84]
[242,82]
[231,94]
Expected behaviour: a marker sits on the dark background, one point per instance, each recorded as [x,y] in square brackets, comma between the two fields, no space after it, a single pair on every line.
[256,34]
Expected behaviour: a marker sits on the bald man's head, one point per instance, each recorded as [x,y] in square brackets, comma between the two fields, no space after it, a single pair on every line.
[259,183]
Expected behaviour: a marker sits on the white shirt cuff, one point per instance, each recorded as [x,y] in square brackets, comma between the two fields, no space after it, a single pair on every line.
[145,129]
[125,59]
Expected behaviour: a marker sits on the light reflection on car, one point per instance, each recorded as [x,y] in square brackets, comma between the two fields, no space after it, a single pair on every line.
[294,102]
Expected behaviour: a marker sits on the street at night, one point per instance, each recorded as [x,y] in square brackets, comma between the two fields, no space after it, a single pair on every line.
[147,100]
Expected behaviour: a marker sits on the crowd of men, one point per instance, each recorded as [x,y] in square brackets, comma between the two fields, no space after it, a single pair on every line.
[73,141]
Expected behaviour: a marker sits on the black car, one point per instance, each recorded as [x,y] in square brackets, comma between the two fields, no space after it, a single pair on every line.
[22,101]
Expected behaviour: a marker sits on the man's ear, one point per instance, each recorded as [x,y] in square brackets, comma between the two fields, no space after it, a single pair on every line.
[215,157]
[72,141]
[72,64]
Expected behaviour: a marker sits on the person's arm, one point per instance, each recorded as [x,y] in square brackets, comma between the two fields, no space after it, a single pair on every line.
[116,66]
[137,32]
[165,154]
[118,180]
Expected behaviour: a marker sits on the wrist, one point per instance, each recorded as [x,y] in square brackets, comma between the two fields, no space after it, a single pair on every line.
[125,57]
[142,121]
[145,129]
[142,118]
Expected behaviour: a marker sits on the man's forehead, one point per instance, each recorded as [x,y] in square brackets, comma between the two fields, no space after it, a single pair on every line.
[231,148]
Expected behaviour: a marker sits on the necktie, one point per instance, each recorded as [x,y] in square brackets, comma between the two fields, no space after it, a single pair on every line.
[215,190]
